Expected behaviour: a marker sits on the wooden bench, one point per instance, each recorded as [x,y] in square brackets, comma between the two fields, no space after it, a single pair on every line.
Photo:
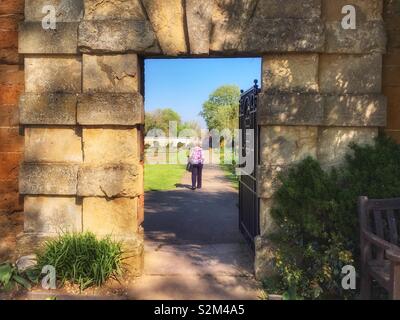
[380,251]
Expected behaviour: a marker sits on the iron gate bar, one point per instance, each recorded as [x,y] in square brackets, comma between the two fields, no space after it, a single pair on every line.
[249,202]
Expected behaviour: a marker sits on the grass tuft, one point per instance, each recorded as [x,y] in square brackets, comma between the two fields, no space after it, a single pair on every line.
[82,259]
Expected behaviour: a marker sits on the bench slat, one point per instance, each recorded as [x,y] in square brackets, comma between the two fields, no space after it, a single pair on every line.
[394,236]
[378,219]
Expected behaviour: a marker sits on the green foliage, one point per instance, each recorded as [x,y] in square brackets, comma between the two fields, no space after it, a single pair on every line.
[316,212]
[83,259]
[220,111]
[10,278]
[228,163]
[160,120]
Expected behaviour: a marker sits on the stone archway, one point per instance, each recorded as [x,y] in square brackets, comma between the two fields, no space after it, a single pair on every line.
[83,107]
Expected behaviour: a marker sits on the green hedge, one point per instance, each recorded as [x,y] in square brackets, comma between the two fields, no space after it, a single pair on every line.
[316,212]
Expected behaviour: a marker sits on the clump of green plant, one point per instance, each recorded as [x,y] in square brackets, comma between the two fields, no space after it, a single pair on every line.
[83,259]
[11,278]
[316,211]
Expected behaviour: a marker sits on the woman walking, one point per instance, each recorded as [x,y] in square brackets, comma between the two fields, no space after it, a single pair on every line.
[196,161]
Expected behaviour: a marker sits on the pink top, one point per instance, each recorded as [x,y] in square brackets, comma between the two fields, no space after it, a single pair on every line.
[196,156]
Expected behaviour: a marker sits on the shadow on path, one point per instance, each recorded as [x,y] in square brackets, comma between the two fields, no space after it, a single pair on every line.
[194,249]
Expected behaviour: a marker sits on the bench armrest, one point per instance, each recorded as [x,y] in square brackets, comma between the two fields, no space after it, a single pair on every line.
[393,255]
[392,251]
[379,242]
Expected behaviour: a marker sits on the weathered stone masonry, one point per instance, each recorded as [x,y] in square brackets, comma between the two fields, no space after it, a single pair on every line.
[11,85]
[83,110]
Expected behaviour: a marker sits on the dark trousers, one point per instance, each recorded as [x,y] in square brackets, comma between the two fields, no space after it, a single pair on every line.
[197,175]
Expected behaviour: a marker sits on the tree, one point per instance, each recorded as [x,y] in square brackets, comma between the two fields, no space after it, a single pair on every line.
[160,119]
[190,125]
[221,110]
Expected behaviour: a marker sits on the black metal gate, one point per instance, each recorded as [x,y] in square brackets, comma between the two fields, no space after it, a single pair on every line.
[249,201]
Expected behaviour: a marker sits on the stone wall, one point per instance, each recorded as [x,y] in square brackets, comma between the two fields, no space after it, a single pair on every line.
[11,85]
[391,67]
[83,110]
[315,104]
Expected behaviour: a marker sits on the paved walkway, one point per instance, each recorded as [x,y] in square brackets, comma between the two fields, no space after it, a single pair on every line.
[193,247]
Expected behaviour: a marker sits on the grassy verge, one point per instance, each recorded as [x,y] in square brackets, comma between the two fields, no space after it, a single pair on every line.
[229,171]
[162,177]
[226,164]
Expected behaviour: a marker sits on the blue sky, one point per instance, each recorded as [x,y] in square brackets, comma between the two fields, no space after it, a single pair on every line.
[184,84]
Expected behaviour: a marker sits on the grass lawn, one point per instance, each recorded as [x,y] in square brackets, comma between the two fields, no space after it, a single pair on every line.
[229,171]
[162,177]
[227,166]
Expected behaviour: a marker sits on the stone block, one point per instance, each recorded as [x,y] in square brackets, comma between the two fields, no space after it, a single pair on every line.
[355,111]
[304,9]
[290,73]
[199,21]
[109,181]
[110,109]
[48,179]
[229,21]
[286,145]
[333,143]
[48,109]
[283,35]
[104,146]
[29,243]
[264,260]
[33,39]
[268,180]
[66,10]
[322,110]
[290,109]
[134,256]
[370,10]
[350,74]
[52,215]
[117,217]
[267,26]
[168,21]
[52,145]
[114,9]
[370,37]
[111,73]
[61,74]
[116,36]
[267,224]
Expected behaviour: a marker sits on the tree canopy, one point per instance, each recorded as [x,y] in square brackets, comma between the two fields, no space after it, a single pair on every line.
[221,110]
[161,118]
